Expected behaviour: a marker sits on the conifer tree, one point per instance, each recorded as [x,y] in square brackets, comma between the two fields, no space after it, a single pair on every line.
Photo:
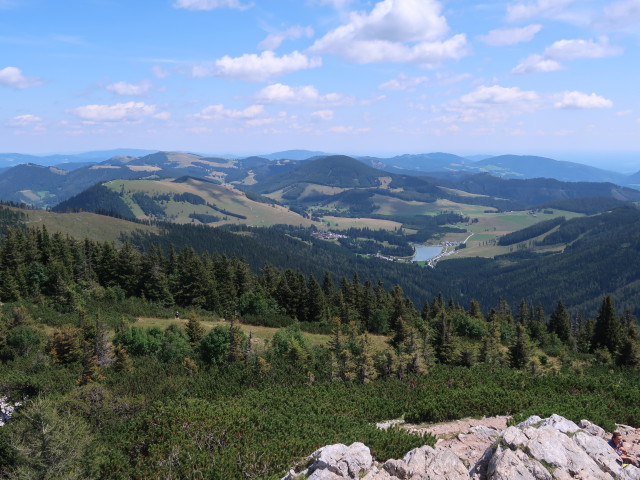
[475,310]
[235,351]
[122,361]
[195,329]
[444,340]
[316,307]
[520,351]
[491,350]
[607,328]
[560,324]
[630,349]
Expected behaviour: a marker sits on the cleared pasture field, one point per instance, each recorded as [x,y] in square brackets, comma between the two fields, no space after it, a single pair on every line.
[261,335]
[224,197]
[343,223]
[84,224]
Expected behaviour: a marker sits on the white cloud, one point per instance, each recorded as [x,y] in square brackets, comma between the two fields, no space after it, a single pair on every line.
[498,95]
[12,77]
[350,129]
[26,120]
[620,15]
[493,104]
[403,82]
[305,95]
[257,68]
[162,116]
[129,89]
[537,63]
[566,50]
[210,4]
[160,72]
[574,49]
[579,100]
[405,31]
[548,8]
[510,36]
[274,40]
[624,113]
[217,112]
[120,112]
[323,115]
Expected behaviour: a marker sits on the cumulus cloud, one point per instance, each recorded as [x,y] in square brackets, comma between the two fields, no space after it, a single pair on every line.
[498,95]
[547,8]
[26,120]
[129,89]
[510,36]
[305,95]
[210,4]
[257,68]
[403,82]
[120,112]
[274,40]
[566,50]
[217,112]
[491,103]
[537,63]
[12,77]
[405,31]
[579,100]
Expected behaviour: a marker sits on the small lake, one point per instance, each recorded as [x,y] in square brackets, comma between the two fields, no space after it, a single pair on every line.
[425,252]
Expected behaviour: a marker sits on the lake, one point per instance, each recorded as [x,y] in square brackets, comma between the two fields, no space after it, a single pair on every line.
[425,252]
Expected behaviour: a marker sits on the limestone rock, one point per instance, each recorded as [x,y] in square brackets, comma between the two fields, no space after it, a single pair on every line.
[7,407]
[592,428]
[538,449]
[336,462]
[560,423]
[425,463]
[515,465]
[532,420]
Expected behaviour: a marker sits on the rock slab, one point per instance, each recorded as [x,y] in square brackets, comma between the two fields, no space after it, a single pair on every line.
[552,448]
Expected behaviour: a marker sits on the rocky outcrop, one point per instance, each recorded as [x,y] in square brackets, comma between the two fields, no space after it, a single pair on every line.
[7,407]
[538,449]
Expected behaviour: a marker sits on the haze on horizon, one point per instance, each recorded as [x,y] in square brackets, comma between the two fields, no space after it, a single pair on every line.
[387,77]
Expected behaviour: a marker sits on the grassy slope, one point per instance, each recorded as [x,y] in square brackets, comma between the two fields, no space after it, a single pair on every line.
[84,225]
[260,334]
[224,197]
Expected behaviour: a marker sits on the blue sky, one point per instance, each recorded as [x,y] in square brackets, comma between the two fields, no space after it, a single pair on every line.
[556,77]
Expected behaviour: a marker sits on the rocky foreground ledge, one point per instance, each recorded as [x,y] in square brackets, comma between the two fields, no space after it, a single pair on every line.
[536,449]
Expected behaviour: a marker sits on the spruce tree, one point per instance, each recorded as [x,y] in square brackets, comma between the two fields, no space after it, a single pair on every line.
[560,323]
[606,332]
[195,329]
[520,351]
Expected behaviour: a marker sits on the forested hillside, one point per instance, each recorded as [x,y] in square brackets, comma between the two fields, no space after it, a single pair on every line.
[188,395]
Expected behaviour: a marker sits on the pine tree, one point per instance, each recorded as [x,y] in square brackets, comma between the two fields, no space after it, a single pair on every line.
[315,302]
[560,323]
[630,348]
[235,351]
[444,340]
[475,310]
[195,329]
[520,351]
[491,350]
[607,328]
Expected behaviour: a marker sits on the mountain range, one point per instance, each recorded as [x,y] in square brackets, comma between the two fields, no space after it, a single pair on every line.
[303,177]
